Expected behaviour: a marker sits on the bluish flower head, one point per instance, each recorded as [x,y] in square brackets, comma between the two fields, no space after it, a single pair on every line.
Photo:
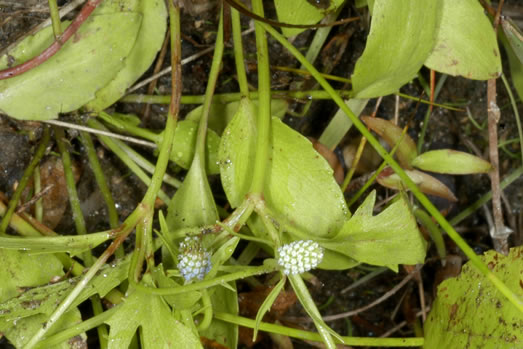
[299,256]
[194,262]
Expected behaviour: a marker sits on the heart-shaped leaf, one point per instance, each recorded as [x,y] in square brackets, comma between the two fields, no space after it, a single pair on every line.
[299,185]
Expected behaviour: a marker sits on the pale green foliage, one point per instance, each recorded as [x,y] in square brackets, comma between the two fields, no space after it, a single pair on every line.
[303,12]
[465,42]
[158,329]
[451,162]
[393,232]
[401,37]
[71,77]
[469,312]
[299,185]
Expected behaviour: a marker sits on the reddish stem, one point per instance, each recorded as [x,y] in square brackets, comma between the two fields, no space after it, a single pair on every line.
[55,46]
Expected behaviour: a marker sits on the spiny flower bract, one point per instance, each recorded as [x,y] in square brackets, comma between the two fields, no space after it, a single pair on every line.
[194,262]
[299,256]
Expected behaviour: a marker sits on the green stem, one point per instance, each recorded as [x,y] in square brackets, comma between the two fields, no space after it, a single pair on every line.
[202,285]
[55,18]
[79,219]
[311,336]
[112,144]
[207,311]
[238,53]
[39,208]
[310,307]
[134,130]
[434,231]
[40,151]
[199,152]
[486,198]
[100,179]
[516,113]
[476,261]
[421,139]
[75,330]
[263,121]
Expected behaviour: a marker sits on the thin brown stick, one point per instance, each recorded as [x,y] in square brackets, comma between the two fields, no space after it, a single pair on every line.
[499,233]
[88,8]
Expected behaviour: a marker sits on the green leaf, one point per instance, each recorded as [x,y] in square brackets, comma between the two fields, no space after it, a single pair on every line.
[221,114]
[20,270]
[147,44]
[267,304]
[43,299]
[20,331]
[333,260]
[299,186]
[401,37]
[70,78]
[159,329]
[451,162]
[53,244]
[516,68]
[303,12]
[185,142]
[470,312]
[392,134]
[388,239]
[465,42]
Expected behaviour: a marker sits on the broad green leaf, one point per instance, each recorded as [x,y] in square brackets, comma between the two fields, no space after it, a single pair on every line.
[148,42]
[401,38]
[465,42]
[470,312]
[425,182]
[70,78]
[303,12]
[267,304]
[43,299]
[184,143]
[299,185]
[221,114]
[159,329]
[53,244]
[20,270]
[392,134]
[451,162]
[388,239]
[20,331]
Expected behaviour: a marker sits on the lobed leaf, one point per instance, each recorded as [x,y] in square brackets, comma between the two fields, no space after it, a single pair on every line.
[388,239]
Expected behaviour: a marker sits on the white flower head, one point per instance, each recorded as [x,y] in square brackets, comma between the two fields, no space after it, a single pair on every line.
[299,256]
[194,262]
